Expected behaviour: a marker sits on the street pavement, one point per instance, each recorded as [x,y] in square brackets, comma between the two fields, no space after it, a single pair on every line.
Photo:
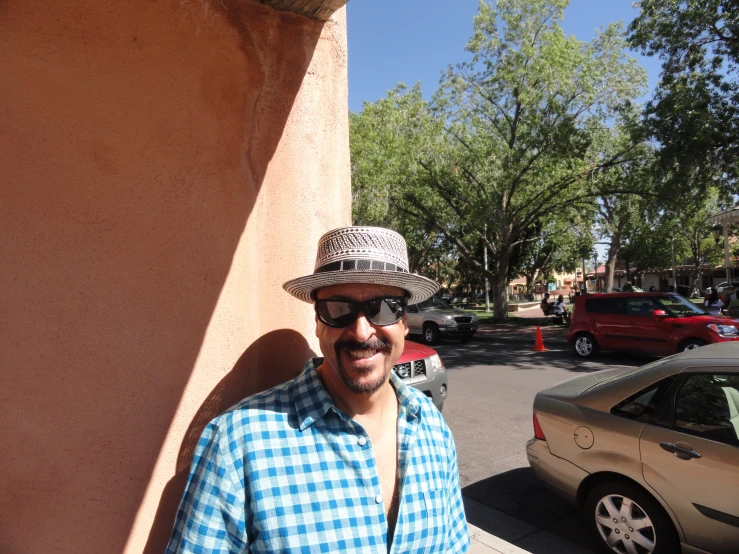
[492,384]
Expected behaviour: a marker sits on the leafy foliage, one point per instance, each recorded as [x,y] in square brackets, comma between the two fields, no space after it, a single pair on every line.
[695,110]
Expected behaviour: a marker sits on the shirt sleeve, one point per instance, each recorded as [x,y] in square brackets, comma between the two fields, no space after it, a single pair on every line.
[210,519]
[458,540]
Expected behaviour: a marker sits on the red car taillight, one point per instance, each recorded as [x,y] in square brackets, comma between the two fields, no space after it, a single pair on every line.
[538,433]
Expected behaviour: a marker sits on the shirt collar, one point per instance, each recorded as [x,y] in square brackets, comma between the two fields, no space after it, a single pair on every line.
[312,400]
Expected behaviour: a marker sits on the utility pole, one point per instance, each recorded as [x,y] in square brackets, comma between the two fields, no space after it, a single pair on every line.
[485,257]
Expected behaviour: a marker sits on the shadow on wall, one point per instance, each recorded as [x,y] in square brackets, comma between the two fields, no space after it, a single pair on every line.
[135,140]
[274,358]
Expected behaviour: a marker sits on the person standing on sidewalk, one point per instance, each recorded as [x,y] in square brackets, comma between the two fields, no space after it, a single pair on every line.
[345,457]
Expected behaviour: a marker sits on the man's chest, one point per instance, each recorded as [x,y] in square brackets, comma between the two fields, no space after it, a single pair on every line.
[334,490]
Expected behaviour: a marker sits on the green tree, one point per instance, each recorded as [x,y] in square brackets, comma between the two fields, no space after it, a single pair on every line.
[526,119]
[694,113]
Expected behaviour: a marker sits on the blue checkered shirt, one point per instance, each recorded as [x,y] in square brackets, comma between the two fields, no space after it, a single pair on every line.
[287,471]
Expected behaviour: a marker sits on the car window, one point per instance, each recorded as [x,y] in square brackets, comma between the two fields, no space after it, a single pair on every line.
[412,309]
[642,405]
[708,405]
[606,305]
[640,306]
[677,305]
[433,303]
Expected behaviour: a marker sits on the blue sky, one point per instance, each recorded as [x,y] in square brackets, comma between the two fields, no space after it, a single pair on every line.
[393,41]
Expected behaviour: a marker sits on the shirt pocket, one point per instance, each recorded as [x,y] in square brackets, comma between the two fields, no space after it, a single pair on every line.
[435,504]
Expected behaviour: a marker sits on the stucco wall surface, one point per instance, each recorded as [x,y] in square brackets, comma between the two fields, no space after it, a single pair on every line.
[164,167]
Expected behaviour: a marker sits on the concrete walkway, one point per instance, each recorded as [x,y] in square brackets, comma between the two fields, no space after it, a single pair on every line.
[532,539]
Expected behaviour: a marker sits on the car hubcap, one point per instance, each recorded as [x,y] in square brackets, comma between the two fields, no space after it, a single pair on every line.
[584,346]
[429,335]
[691,346]
[624,526]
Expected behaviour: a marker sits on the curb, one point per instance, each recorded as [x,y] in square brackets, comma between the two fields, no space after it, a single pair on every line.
[497,544]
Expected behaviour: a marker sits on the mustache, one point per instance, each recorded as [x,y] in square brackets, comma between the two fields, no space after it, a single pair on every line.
[375,343]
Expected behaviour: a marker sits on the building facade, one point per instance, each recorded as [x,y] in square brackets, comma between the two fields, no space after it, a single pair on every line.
[165,166]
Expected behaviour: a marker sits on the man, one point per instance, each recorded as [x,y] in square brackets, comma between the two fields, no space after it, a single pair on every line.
[545,305]
[345,457]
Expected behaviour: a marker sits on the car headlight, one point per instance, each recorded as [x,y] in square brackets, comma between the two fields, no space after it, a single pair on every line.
[724,330]
[434,363]
[448,319]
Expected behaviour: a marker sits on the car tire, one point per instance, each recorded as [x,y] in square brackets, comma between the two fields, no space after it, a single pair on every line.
[431,334]
[691,344]
[606,502]
[466,338]
[584,346]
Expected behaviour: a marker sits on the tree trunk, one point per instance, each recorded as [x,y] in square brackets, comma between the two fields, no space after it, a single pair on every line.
[500,300]
[613,250]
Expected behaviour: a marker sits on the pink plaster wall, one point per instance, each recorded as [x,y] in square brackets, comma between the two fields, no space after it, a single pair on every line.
[164,167]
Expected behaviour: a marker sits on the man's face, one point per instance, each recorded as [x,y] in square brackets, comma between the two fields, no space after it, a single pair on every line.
[361,355]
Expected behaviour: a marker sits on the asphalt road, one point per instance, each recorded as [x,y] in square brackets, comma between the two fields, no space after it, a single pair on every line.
[492,385]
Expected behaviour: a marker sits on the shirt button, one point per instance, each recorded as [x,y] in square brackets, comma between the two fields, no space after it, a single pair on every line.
[362,441]
[378,499]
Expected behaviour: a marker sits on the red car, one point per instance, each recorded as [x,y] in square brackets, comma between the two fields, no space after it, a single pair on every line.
[421,368]
[653,323]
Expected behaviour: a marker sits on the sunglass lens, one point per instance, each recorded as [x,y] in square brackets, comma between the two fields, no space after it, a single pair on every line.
[389,311]
[336,313]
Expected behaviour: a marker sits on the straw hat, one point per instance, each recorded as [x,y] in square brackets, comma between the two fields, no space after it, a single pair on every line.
[362,255]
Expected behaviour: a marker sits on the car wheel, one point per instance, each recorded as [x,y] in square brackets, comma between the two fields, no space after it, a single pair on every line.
[624,520]
[585,346]
[431,333]
[466,338]
[691,344]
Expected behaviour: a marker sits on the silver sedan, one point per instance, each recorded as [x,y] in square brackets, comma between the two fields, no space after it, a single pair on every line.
[650,455]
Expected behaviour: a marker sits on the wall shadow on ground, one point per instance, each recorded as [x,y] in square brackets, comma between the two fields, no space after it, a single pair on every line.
[272,359]
[523,496]
[135,140]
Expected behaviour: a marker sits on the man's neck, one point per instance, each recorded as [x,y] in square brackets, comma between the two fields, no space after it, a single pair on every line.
[358,406]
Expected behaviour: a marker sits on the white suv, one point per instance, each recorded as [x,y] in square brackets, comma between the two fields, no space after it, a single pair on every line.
[433,319]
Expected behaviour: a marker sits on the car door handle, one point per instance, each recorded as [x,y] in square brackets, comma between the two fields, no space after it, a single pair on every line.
[681,450]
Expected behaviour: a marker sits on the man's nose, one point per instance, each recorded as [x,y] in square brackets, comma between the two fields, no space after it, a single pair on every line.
[362,329]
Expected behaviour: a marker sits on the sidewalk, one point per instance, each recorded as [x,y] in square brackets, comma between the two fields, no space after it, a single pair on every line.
[535,539]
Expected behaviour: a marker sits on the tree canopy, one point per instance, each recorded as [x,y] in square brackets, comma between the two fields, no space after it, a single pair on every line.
[694,114]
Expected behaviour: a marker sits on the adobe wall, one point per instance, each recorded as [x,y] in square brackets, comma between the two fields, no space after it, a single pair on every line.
[164,167]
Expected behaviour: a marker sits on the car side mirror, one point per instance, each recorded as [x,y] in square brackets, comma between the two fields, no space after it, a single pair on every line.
[659,313]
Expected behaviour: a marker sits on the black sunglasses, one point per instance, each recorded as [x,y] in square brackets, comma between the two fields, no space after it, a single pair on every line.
[381,311]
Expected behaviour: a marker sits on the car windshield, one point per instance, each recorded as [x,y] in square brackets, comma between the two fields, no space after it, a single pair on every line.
[433,303]
[676,305]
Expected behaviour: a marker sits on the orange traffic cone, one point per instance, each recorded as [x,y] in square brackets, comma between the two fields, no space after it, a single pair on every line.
[539,344]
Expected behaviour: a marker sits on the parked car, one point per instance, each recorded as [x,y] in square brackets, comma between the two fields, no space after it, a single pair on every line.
[433,319]
[726,288]
[651,456]
[420,367]
[682,290]
[652,323]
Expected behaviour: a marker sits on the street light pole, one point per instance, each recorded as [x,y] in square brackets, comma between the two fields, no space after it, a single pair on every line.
[674,270]
[485,257]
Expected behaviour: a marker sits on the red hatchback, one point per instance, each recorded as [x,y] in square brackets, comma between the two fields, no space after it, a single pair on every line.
[653,323]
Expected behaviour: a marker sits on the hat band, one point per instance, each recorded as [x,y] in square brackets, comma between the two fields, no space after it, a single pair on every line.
[360,265]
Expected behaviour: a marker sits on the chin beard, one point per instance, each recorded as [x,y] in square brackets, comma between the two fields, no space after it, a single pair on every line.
[353,380]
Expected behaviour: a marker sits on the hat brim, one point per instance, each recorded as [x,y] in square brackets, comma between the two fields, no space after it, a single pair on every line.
[420,288]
